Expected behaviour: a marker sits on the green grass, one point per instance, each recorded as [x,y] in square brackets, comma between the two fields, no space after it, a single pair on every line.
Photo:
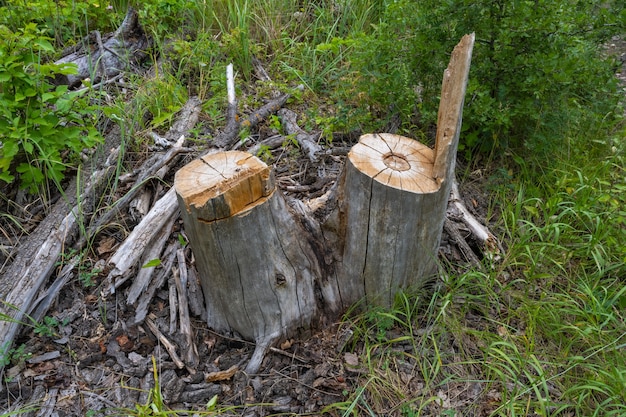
[542,331]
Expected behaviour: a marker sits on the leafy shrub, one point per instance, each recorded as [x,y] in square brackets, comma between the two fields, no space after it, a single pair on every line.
[536,66]
[64,21]
[39,122]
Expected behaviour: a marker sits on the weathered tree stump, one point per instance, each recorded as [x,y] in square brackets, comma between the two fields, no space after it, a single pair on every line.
[257,273]
[268,270]
[392,208]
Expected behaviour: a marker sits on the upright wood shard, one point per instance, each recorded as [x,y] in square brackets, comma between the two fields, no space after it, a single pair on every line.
[450,114]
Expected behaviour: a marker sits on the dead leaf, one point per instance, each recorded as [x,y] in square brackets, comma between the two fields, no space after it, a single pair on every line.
[106,245]
[351,359]
[286,344]
[222,375]
[126,345]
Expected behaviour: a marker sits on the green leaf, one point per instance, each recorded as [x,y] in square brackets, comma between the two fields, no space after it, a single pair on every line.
[28,147]
[152,263]
[44,45]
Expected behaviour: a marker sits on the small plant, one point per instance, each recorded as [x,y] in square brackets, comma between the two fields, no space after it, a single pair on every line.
[43,128]
[14,355]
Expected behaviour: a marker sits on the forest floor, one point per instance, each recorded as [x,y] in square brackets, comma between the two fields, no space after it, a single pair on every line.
[92,359]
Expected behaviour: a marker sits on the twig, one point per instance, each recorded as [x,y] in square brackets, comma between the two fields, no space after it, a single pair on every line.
[169,346]
[480,232]
[180,277]
[307,142]
[171,285]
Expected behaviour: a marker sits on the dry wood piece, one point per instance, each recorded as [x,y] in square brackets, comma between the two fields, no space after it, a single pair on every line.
[127,46]
[450,113]
[488,241]
[180,277]
[146,297]
[36,258]
[186,119]
[196,298]
[169,346]
[143,235]
[307,142]
[145,274]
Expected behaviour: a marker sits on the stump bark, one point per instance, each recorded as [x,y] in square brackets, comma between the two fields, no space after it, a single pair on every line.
[269,269]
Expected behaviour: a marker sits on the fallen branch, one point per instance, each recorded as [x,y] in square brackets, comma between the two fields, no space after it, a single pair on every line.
[186,120]
[38,255]
[484,237]
[180,277]
[169,346]
[128,45]
[141,311]
[307,142]
[227,139]
[131,251]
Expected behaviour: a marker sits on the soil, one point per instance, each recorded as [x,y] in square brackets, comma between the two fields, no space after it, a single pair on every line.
[94,360]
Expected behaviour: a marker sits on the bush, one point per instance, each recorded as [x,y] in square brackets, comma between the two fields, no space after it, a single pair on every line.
[536,66]
[39,122]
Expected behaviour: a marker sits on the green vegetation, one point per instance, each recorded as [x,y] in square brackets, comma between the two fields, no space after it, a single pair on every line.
[38,121]
[542,331]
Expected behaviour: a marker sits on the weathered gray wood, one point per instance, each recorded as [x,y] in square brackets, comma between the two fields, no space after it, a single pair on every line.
[180,276]
[389,206]
[450,114]
[37,257]
[127,256]
[99,59]
[154,250]
[257,274]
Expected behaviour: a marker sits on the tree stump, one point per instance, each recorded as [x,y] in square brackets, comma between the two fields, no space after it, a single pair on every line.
[392,210]
[257,274]
[268,270]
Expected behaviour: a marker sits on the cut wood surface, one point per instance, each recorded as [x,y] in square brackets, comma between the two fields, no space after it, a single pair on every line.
[395,161]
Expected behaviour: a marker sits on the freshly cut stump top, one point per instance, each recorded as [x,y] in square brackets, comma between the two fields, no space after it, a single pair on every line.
[223,184]
[395,161]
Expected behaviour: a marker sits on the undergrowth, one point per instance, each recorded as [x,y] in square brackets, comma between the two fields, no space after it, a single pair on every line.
[539,332]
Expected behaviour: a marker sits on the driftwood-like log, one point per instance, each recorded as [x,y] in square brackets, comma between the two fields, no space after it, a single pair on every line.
[98,59]
[269,270]
[38,255]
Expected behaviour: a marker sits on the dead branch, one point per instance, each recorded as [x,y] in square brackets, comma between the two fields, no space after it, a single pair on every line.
[143,235]
[37,256]
[99,60]
[307,142]
[489,243]
[186,120]
[169,346]
[157,282]
[180,277]
[145,275]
